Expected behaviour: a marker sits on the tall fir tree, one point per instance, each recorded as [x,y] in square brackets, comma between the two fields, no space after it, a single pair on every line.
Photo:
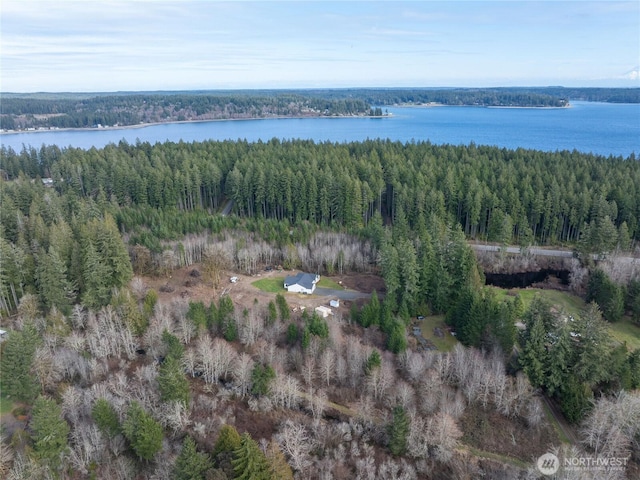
[143,432]
[172,382]
[106,418]
[49,432]
[534,354]
[609,296]
[191,464]
[398,431]
[249,462]
[15,365]
[55,288]
[561,360]
[279,469]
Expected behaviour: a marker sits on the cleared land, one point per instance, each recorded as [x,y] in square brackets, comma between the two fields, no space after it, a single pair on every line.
[626,331]
[276,284]
[563,302]
[444,343]
[270,285]
[623,331]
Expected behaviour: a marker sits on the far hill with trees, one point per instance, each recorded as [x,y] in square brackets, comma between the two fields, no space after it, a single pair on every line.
[22,111]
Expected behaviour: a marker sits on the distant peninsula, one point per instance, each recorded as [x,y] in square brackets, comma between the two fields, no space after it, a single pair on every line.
[38,111]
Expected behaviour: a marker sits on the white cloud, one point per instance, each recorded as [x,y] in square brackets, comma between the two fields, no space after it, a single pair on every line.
[632,74]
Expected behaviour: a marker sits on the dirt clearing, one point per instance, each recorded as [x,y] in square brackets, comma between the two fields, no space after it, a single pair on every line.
[187,283]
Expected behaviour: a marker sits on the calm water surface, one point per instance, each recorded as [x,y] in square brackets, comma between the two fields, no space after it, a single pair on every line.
[601,128]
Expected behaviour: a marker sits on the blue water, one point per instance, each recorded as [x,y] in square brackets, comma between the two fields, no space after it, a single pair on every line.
[601,128]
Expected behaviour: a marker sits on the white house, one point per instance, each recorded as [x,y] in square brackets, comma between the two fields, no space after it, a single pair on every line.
[301,283]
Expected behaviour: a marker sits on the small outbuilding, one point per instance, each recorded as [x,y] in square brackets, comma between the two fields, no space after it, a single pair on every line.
[323,311]
[334,303]
[301,283]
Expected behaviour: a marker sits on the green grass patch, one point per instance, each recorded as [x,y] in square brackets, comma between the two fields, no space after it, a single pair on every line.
[497,456]
[565,302]
[623,331]
[444,344]
[271,284]
[626,331]
[276,284]
[326,282]
[6,405]
[554,423]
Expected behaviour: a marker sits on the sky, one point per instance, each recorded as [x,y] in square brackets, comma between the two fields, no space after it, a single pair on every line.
[99,45]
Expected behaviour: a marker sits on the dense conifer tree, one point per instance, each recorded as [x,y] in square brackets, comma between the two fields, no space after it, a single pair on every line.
[191,464]
[249,462]
[106,417]
[606,294]
[49,432]
[17,358]
[398,431]
[142,431]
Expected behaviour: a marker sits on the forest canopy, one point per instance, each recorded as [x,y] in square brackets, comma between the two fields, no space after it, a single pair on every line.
[119,382]
[284,193]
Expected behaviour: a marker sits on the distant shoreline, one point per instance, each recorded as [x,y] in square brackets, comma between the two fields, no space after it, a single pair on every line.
[436,105]
[283,117]
[174,122]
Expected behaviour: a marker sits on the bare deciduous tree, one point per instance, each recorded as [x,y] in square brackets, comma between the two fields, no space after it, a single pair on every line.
[214,358]
[534,412]
[402,394]
[296,443]
[285,391]
[418,437]
[190,361]
[366,466]
[400,470]
[444,434]
[45,369]
[88,446]
[317,402]
[326,365]
[612,426]
[138,287]
[174,415]
[6,457]
[250,326]
[356,358]
[415,365]
[215,260]
[379,380]
[78,317]
[309,371]
[242,369]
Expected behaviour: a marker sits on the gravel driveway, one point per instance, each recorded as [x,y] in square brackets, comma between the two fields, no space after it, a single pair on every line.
[341,294]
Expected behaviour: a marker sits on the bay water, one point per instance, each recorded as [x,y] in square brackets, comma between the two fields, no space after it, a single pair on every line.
[590,127]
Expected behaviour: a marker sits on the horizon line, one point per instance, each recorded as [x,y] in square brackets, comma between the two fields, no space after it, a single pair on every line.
[257,89]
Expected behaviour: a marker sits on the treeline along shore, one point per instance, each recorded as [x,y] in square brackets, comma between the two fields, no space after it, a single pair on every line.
[35,111]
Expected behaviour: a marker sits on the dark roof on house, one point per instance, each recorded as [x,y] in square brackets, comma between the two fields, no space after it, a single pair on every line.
[304,279]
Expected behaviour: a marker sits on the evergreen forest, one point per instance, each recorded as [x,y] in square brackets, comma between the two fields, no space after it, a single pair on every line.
[106,380]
